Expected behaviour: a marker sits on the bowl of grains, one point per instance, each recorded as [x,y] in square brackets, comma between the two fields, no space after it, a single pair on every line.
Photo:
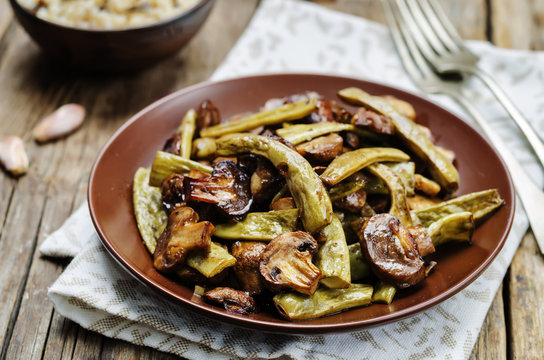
[111,35]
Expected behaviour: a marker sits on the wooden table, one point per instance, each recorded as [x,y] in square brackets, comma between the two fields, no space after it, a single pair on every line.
[36,204]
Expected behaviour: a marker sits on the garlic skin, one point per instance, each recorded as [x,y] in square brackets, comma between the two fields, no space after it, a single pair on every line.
[61,122]
[13,155]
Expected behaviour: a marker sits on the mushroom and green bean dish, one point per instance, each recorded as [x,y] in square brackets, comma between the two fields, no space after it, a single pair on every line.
[308,206]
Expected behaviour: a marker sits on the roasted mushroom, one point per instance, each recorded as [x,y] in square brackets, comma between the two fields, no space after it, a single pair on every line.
[353,202]
[234,301]
[391,251]
[227,188]
[248,258]
[423,240]
[375,122]
[265,181]
[183,235]
[173,145]
[172,192]
[287,263]
[322,149]
[207,115]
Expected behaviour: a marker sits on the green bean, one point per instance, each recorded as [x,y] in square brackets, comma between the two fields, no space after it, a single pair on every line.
[349,163]
[441,168]
[287,112]
[305,186]
[478,203]
[458,226]
[150,217]
[344,189]
[300,133]
[399,205]
[383,293]
[212,263]
[359,267]
[166,164]
[187,131]
[406,172]
[333,257]
[294,306]
[259,226]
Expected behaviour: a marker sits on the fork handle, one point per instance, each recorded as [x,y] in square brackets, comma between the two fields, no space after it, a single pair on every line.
[534,139]
[530,194]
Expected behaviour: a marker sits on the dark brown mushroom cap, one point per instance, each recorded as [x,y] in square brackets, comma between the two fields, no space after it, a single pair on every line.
[234,301]
[172,145]
[228,188]
[322,149]
[286,263]
[353,202]
[265,182]
[183,235]
[423,241]
[172,191]
[248,258]
[372,121]
[207,115]
[391,252]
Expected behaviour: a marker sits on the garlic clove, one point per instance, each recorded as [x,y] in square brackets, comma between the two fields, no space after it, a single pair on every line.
[13,155]
[61,122]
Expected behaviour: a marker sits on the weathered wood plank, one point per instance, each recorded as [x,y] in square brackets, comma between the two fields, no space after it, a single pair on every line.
[511,23]
[526,314]
[491,343]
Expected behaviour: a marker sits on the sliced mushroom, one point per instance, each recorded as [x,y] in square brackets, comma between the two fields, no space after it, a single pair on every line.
[172,192]
[323,112]
[172,145]
[369,119]
[351,139]
[283,204]
[423,240]
[391,251]
[234,301]
[183,235]
[248,258]
[265,181]
[322,149]
[227,188]
[286,263]
[207,115]
[353,202]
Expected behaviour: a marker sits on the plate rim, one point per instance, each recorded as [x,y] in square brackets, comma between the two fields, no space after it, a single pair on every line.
[293,327]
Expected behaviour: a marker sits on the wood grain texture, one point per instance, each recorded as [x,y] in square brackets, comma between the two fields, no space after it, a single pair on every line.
[525,311]
[491,343]
[511,23]
[35,205]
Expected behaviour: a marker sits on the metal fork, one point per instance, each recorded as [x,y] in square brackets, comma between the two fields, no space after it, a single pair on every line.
[440,44]
[423,75]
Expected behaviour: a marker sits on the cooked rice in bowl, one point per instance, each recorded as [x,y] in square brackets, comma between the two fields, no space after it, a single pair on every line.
[106,14]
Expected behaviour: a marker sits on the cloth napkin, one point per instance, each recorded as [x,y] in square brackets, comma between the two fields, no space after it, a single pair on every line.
[292,36]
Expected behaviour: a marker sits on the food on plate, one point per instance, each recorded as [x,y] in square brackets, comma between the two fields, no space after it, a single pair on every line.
[308,206]
[106,14]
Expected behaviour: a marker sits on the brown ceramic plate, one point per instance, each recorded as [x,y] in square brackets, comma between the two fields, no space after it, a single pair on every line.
[136,142]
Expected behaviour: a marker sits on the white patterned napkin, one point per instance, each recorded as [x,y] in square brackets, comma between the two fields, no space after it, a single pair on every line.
[292,36]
